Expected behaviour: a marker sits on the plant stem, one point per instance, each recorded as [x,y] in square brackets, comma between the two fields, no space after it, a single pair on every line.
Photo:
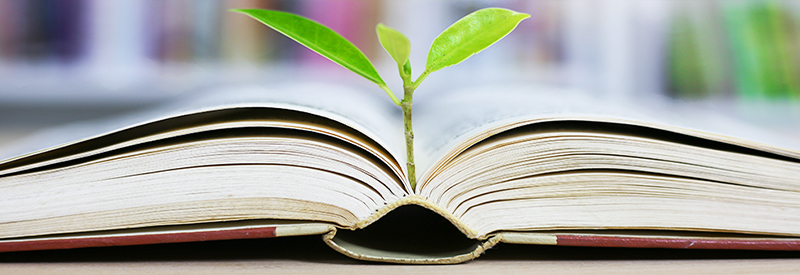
[406,105]
[419,80]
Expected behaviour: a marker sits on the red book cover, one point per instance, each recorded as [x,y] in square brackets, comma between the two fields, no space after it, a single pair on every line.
[135,239]
[679,242]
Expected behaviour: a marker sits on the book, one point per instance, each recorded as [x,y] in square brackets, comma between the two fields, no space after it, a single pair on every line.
[505,163]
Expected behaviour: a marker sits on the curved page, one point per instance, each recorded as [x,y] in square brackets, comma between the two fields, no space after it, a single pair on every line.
[360,110]
[449,123]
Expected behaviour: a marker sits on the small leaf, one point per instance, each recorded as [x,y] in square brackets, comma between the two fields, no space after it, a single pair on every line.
[318,38]
[395,43]
[470,35]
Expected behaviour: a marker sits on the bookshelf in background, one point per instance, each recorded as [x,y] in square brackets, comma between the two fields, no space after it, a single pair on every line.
[738,53]
[746,50]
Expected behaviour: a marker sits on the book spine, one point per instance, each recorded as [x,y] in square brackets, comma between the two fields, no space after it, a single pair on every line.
[205,22]
[67,243]
[686,242]
[11,22]
[243,40]
[355,20]
[682,243]
[122,239]
[67,30]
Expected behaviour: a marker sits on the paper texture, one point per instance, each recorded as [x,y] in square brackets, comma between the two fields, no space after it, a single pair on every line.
[444,120]
[441,120]
[366,111]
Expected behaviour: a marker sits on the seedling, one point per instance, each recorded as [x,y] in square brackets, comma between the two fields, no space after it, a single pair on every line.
[466,37]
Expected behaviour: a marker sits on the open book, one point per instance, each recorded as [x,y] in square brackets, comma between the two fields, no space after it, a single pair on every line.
[515,164]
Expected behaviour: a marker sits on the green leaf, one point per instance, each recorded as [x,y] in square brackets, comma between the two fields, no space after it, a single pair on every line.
[470,35]
[318,38]
[395,43]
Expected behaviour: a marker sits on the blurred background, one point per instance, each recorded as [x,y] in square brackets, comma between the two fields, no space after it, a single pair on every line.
[69,60]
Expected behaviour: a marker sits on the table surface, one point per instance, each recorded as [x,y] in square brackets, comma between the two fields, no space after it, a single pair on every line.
[309,255]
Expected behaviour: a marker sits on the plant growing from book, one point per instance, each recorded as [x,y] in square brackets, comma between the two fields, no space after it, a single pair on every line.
[466,37]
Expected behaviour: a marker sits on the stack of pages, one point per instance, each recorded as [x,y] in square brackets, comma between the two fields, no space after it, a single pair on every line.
[516,164]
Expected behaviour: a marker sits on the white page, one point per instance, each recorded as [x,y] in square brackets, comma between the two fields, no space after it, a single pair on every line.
[446,119]
[441,120]
[369,111]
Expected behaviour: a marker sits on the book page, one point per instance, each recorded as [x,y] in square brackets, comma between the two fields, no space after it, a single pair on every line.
[367,111]
[447,120]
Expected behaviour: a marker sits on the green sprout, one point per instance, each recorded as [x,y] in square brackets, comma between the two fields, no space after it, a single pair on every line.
[466,37]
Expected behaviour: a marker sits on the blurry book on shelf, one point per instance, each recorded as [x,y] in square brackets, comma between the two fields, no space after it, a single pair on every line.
[354,20]
[8,34]
[737,57]
[765,46]
[173,39]
[43,30]
[522,164]
[697,63]
[243,41]
[746,49]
